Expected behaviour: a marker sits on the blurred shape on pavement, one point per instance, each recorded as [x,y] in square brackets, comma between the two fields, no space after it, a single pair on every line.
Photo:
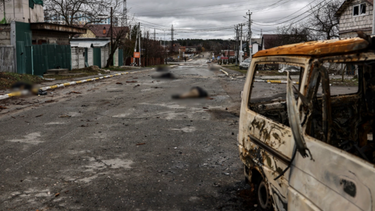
[195,92]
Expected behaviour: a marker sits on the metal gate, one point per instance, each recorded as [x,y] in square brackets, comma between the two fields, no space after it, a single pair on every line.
[98,57]
[120,57]
[50,57]
[37,59]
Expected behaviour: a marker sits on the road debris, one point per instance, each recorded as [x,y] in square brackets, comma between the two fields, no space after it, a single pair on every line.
[39,115]
[136,86]
[195,92]
[74,92]
[65,116]
[131,81]
[139,144]
[165,76]
[119,83]
[3,107]
[57,194]
[49,101]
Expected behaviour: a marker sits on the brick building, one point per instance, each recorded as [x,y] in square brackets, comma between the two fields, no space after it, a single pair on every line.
[354,16]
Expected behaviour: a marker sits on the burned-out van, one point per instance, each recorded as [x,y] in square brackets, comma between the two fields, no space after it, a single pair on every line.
[306,136]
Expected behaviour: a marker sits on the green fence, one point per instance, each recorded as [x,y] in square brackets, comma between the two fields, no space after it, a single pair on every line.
[51,57]
[37,59]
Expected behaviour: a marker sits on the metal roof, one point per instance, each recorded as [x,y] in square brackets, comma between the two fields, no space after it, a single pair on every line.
[316,48]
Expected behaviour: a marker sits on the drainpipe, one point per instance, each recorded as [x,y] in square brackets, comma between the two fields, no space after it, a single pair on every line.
[373,19]
[32,60]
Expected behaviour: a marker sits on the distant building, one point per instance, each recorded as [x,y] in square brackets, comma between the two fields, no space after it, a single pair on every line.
[354,16]
[27,11]
[31,45]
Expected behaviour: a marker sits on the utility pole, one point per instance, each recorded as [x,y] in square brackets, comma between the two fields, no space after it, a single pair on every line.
[240,60]
[147,47]
[236,44]
[250,33]
[125,14]
[140,50]
[154,34]
[111,34]
[165,52]
[172,38]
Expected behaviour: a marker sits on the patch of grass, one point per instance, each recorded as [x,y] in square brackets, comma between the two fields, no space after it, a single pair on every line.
[8,79]
[346,82]
[235,68]
[77,73]
[113,68]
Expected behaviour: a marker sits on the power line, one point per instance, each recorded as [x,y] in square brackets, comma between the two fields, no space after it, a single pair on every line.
[274,24]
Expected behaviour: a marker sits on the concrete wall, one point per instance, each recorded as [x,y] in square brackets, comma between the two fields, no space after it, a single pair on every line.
[7,59]
[19,10]
[115,58]
[78,60]
[5,34]
[90,53]
[350,23]
[105,52]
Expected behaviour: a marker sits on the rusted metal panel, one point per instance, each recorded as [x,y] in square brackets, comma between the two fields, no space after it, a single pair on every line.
[335,179]
[57,27]
[316,48]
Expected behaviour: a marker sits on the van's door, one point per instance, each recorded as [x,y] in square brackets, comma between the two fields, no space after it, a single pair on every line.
[265,135]
[341,176]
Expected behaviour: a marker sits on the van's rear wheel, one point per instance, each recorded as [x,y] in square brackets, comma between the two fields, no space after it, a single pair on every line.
[263,196]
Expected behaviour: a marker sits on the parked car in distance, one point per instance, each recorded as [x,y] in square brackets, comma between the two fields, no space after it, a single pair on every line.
[169,59]
[245,64]
[291,69]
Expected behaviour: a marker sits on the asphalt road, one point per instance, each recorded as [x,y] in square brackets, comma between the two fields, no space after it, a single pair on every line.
[124,144]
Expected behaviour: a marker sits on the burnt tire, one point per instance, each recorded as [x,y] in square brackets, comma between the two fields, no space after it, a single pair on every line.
[263,196]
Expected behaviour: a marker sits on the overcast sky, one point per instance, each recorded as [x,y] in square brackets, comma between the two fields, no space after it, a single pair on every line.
[207,19]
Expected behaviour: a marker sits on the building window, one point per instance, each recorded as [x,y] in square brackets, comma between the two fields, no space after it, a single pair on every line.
[359,9]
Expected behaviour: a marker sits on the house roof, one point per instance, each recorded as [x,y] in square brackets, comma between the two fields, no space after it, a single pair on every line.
[316,48]
[98,30]
[269,40]
[347,3]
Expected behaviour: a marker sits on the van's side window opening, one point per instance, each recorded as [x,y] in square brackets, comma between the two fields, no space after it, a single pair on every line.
[350,123]
[268,94]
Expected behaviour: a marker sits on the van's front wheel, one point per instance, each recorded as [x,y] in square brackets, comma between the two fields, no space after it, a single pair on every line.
[263,196]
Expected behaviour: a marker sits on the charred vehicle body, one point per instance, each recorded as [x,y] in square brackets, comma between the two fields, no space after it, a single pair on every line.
[307,144]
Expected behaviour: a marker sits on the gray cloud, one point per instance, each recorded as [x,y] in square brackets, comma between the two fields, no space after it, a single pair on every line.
[199,19]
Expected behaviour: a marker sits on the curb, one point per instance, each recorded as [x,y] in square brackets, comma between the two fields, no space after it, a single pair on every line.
[225,72]
[20,93]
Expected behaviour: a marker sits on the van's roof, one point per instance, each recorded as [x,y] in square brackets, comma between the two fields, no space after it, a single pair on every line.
[316,48]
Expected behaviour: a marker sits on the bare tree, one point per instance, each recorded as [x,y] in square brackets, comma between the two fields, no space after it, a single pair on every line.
[323,23]
[119,35]
[289,34]
[76,12]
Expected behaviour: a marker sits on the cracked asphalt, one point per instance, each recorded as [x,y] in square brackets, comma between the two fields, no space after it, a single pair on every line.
[124,144]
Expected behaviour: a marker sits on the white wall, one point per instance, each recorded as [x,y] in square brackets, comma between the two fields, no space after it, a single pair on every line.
[90,53]
[115,58]
[104,53]
[78,60]
[19,10]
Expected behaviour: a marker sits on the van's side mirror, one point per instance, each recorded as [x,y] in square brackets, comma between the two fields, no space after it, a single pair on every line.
[294,120]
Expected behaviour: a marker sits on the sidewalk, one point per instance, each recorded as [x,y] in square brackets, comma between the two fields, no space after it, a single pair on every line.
[53,84]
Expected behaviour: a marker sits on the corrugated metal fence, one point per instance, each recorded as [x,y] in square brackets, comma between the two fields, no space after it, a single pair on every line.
[50,57]
[7,59]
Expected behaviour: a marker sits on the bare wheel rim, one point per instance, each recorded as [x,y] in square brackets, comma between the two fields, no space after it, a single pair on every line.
[263,196]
